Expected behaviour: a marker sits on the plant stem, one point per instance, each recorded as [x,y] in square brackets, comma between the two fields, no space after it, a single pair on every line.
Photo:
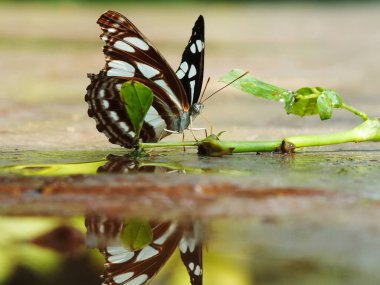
[369,130]
[253,146]
[168,144]
[363,115]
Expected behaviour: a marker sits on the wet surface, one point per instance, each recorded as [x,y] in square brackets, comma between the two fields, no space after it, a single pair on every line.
[303,217]
[253,251]
[183,183]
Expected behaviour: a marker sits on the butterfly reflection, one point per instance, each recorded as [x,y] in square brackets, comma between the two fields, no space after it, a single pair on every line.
[126,164]
[126,266]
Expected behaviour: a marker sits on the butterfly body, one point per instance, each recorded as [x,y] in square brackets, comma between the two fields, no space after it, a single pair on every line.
[130,56]
[186,117]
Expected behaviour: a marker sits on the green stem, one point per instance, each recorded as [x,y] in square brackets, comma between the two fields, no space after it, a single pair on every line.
[253,146]
[363,115]
[168,144]
[369,130]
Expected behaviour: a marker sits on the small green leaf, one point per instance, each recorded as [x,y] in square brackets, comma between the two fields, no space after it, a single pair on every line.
[305,91]
[304,102]
[335,98]
[136,234]
[137,99]
[255,87]
[220,133]
[324,107]
[302,106]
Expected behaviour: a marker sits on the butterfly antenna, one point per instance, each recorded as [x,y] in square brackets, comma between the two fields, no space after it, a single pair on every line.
[204,89]
[220,89]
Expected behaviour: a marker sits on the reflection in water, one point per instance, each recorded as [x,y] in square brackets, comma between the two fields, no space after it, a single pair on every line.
[126,164]
[286,251]
[63,239]
[128,266]
[45,251]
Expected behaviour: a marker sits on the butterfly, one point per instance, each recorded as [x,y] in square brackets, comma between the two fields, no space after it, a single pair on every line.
[124,266]
[130,56]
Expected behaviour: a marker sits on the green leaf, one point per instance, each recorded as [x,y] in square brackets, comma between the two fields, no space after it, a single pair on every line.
[324,106]
[220,133]
[255,87]
[137,99]
[335,98]
[304,102]
[136,234]
[305,91]
[302,106]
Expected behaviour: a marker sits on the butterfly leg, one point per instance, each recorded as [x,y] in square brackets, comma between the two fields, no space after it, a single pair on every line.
[183,139]
[175,132]
[191,129]
[172,132]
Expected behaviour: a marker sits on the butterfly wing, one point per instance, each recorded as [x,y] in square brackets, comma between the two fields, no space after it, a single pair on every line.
[101,230]
[190,71]
[191,249]
[106,107]
[130,56]
[124,266]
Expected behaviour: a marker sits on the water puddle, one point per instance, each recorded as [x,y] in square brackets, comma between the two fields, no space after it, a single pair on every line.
[70,218]
[90,250]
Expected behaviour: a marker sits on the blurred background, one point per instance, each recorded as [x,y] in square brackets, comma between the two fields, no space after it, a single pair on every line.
[48,47]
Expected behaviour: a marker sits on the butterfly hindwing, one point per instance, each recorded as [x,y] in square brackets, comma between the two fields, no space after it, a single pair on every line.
[190,71]
[109,112]
[191,249]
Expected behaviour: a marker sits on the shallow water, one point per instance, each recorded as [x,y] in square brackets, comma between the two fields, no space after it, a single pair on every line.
[52,250]
[261,218]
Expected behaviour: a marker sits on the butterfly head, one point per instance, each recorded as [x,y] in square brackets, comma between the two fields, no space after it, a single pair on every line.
[196,109]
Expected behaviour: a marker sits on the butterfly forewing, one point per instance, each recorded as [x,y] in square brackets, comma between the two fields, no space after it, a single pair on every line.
[190,71]
[127,48]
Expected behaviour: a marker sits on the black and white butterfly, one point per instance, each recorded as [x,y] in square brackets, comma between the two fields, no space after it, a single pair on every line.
[130,56]
[127,267]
